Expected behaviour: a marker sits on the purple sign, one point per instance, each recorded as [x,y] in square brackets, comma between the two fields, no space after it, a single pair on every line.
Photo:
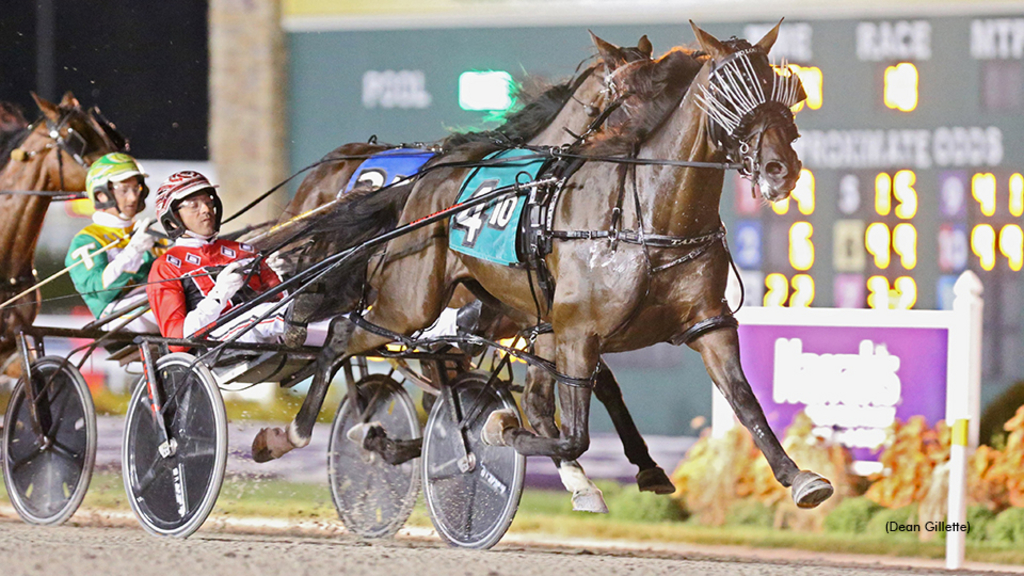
[852,381]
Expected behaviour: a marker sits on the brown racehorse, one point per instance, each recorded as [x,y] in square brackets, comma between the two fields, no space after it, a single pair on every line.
[53,156]
[663,280]
[550,119]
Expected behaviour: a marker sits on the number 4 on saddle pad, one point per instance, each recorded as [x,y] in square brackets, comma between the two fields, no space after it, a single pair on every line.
[488,231]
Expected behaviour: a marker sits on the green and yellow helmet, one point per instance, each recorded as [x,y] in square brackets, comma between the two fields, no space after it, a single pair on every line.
[111,168]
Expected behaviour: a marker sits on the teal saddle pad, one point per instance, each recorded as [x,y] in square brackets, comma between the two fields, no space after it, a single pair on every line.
[489,231]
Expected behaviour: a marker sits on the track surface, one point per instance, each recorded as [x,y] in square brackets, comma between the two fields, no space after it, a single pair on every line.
[87,551]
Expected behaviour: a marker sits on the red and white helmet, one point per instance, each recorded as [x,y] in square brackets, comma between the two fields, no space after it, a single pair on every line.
[176,188]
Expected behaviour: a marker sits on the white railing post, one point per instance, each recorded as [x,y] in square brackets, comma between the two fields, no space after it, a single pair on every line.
[962,406]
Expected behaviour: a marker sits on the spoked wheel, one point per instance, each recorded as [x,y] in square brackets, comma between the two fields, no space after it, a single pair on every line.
[373,498]
[173,461]
[472,489]
[48,456]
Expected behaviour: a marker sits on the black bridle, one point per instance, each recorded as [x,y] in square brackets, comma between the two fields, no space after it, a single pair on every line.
[745,91]
[75,145]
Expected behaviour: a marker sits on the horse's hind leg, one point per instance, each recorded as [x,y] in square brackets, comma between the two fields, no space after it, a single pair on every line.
[651,477]
[272,443]
[721,353]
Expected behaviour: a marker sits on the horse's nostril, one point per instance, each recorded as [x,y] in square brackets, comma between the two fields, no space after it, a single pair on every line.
[775,169]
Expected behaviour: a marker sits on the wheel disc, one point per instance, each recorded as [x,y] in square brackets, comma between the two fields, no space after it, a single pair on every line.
[172,495]
[473,499]
[48,475]
[374,498]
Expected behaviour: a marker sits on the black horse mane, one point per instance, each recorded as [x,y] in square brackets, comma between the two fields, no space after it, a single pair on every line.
[518,127]
[662,84]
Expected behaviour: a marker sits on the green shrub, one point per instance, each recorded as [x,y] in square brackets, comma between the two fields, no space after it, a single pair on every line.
[750,512]
[979,518]
[631,505]
[851,515]
[1008,527]
[904,515]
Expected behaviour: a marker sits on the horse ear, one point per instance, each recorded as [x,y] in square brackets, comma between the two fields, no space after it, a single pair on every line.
[49,109]
[69,100]
[610,53]
[768,41]
[644,45]
[709,43]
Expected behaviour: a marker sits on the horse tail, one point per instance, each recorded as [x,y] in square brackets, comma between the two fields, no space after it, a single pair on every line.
[364,215]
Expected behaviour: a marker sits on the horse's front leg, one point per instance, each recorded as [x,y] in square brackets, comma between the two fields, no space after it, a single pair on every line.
[577,358]
[539,406]
[720,350]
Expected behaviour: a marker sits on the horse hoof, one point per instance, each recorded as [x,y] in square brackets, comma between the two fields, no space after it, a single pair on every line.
[360,432]
[589,501]
[497,423]
[654,480]
[270,444]
[810,489]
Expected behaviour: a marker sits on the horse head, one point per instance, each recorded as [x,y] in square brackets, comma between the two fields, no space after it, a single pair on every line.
[747,103]
[66,140]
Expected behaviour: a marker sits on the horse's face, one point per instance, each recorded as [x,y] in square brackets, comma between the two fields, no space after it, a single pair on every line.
[70,139]
[620,67]
[747,103]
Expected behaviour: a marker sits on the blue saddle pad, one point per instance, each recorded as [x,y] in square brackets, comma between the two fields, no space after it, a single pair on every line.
[488,231]
[387,167]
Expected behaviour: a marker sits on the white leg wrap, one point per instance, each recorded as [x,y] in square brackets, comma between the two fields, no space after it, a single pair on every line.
[574,478]
[294,437]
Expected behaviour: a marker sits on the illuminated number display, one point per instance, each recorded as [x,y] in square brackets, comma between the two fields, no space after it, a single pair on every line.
[892,243]
[793,285]
[993,239]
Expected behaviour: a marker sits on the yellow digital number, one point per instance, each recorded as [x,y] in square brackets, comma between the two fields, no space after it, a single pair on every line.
[1017,195]
[812,80]
[902,295]
[983,188]
[877,241]
[906,292]
[903,188]
[803,291]
[900,90]
[778,290]
[801,248]
[1011,245]
[878,293]
[883,194]
[904,243]
[983,244]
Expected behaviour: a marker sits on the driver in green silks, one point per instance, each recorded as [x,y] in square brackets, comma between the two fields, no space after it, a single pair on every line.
[109,281]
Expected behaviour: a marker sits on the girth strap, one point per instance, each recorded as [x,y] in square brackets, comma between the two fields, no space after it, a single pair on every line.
[703,327]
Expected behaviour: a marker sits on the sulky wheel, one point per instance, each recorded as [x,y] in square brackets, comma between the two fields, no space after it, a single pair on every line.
[373,498]
[48,454]
[472,495]
[173,462]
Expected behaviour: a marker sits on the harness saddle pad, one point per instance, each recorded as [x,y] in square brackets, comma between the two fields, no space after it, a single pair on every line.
[488,231]
[387,167]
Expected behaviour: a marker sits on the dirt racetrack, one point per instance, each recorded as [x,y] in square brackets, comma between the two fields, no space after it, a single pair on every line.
[117,551]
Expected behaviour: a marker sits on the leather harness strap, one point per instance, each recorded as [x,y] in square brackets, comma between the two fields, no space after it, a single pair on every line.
[703,327]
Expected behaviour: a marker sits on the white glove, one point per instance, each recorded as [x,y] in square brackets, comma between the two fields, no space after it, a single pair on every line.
[229,280]
[129,260]
[279,264]
[141,241]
